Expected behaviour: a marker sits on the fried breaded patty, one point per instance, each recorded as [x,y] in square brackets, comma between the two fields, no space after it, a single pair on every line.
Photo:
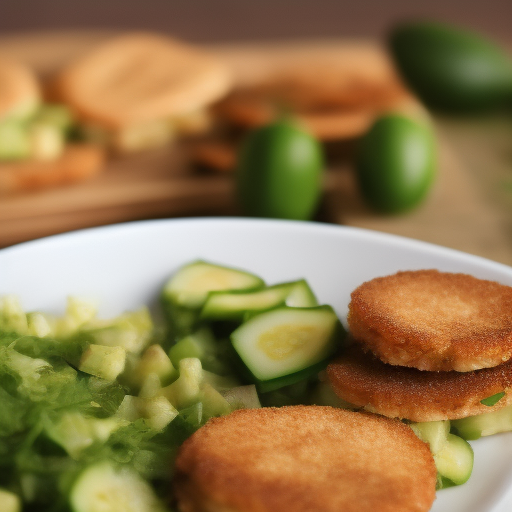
[304,458]
[400,392]
[434,320]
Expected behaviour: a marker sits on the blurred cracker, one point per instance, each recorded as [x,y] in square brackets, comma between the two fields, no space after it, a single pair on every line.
[77,163]
[140,77]
[333,102]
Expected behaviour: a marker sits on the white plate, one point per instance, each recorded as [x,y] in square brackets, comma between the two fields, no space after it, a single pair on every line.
[124,266]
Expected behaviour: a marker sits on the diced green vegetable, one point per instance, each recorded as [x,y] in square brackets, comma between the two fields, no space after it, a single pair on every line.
[203,345]
[104,362]
[242,397]
[285,340]
[492,400]
[131,331]
[186,390]
[487,424]
[14,140]
[154,360]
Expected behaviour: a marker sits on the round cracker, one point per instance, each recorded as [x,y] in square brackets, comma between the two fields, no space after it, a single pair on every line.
[408,393]
[19,89]
[331,103]
[304,458]
[78,162]
[140,77]
[433,320]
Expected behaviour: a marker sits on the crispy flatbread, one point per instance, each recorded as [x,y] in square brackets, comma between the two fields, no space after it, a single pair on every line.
[433,320]
[304,459]
[408,393]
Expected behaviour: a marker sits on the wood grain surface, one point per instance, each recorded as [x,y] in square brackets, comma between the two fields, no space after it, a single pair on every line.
[466,210]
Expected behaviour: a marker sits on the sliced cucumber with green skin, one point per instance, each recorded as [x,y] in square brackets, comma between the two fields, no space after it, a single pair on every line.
[454,461]
[283,341]
[191,284]
[486,424]
[233,305]
[435,433]
[104,488]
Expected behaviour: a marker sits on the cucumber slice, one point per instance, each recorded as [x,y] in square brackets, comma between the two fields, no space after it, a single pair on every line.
[486,424]
[435,433]
[455,460]
[104,488]
[190,286]
[233,305]
[9,502]
[283,341]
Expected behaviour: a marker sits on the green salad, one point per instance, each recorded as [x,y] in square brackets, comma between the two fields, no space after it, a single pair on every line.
[93,411]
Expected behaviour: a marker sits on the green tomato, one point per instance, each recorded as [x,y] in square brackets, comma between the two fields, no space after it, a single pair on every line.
[279,172]
[452,69]
[396,164]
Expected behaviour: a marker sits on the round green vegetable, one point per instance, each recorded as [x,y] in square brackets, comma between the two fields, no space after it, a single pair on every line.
[396,164]
[279,172]
[452,69]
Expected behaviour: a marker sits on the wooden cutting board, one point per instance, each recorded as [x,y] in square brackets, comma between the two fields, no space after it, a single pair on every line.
[160,183]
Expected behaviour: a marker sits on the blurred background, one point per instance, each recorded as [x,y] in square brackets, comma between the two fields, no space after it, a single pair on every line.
[468,206]
[232,20]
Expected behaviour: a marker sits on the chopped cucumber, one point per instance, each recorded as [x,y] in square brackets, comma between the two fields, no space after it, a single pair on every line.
[284,341]
[233,305]
[214,404]
[435,433]
[454,460]
[104,362]
[14,140]
[242,397]
[75,432]
[186,390]
[104,488]
[132,331]
[154,360]
[203,345]
[12,315]
[486,424]
[190,286]
[9,502]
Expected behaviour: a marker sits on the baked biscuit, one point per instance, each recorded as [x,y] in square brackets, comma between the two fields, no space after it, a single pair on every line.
[139,78]
[304,458]
[19,89]
[433,320]
[78,162]
[408,393]
[333,104]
